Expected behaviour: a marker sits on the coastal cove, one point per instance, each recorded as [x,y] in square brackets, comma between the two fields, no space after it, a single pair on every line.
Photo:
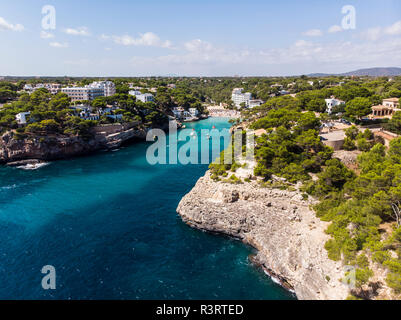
[108,224]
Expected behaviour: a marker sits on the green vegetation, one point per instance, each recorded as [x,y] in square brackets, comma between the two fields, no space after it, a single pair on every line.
[292,149]
[357,207]
[363,207]
[48,115]
[8,91]
[394,124]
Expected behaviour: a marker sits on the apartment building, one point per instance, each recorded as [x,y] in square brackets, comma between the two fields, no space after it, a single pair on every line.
[83,93]
[238,97]
[53,88]
[108,87]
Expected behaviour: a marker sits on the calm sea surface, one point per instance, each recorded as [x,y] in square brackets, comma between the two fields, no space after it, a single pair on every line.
[108,224]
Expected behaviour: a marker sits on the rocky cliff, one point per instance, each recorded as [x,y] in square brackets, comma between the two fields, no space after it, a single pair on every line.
[279,224]
[60,147]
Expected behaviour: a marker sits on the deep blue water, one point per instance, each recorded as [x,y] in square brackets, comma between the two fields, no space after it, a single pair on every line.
[108,224]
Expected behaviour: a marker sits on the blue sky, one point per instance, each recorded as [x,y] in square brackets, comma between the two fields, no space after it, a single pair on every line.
[197,38]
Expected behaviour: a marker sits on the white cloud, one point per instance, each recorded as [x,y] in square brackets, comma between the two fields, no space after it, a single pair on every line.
[58,44]
[149,39]
[80,31]
[46,35]
[335,29]
[374,34]
[195,53]
[198,45]
[4,25]
[313,33]
[394,30]
[202,57]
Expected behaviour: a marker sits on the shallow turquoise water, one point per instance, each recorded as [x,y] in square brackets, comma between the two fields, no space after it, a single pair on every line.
[108,224]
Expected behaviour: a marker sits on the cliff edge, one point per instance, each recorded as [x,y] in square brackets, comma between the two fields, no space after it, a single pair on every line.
[54,147]
[279,224]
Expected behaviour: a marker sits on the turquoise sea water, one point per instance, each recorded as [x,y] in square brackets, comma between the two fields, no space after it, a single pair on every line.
[108,224]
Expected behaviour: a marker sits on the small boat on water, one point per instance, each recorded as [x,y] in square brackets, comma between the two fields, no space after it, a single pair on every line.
[33,166]
[183,127]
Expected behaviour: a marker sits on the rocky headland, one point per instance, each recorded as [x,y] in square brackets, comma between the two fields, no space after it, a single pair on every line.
[289,238]
[55,147]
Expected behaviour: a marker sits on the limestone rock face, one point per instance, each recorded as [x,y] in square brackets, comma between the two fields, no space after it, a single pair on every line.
[279,224]
[60,147]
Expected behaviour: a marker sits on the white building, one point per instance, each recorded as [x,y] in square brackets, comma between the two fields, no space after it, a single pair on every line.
[146,97]
[187,116]
[53,88]
[85,112]
[134,92]
[331,103]
[238,97]
[177,112]
[386,110]
[255,103]
[21,117]
[392,103]
[108,87]
[193,111]
[181,114]
[83,93]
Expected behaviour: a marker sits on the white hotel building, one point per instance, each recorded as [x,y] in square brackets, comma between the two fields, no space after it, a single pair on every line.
[91,92]
[108,87]
[83,93]
[239,97]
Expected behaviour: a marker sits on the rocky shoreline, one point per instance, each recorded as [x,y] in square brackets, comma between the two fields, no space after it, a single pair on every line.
[288,236]
[55,147]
